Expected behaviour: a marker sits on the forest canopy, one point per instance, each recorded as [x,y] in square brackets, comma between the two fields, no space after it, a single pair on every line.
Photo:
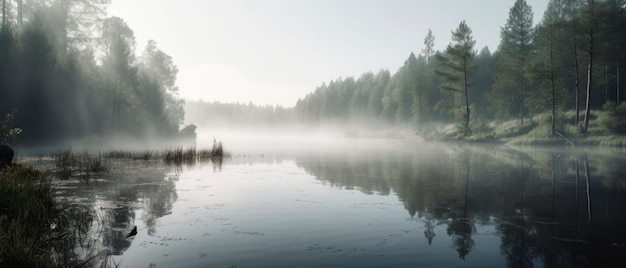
[572,60]
[70,73]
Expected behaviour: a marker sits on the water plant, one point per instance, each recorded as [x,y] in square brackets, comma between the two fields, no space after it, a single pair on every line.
[84,165]
[190,155]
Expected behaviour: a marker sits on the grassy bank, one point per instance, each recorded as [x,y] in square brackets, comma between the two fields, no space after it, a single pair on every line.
[39,230]
[607,128]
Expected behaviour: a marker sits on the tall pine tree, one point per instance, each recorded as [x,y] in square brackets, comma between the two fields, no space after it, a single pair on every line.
[515,48]
[458,67]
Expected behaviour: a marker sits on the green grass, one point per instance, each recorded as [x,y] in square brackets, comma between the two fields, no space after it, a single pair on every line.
[606,128]
[606,140]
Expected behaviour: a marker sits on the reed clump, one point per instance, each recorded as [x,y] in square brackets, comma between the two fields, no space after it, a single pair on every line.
[69,164]
[39,230]
[191,155]
[180,155]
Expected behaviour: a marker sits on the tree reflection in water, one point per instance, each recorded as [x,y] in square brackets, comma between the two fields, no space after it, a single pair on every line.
[540,202]
[135,187]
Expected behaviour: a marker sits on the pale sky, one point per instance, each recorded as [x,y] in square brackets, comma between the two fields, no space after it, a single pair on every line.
[276,51]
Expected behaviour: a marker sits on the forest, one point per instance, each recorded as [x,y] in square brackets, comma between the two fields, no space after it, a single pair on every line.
[565,67]
[68,72]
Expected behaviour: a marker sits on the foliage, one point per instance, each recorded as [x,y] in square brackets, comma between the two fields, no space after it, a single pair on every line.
[613,119]
[70,81]
[459,67]
[72,73]
[510,87]
[535,69]
[7,134]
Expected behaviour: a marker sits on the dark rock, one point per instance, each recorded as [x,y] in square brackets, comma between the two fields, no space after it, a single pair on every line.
[188,132]
[6,156]
[132,233]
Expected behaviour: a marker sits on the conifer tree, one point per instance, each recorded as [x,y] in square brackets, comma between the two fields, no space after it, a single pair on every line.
[458,67]
[515,47]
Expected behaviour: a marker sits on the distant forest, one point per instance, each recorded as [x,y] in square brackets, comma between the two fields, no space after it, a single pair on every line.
[570,61]
[70,73]
[66,82]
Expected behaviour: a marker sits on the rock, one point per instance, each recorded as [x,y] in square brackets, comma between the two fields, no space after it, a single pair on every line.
[188,132]
[6,156]
[132,233]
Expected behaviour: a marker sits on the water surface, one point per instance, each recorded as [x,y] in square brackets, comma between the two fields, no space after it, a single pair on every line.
[367,204]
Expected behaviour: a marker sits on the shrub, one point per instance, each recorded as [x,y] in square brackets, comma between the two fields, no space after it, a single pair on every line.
[613,118]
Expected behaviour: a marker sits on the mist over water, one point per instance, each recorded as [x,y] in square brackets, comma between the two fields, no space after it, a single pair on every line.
[425,165]
[332,201]
[293,140]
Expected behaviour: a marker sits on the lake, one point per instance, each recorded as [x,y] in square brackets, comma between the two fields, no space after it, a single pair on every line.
[365,203]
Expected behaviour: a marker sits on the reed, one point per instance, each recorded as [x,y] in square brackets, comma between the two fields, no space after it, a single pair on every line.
[192,155]
[83,165]
[39,230]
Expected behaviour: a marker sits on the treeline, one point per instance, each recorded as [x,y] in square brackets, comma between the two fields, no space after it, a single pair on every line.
[571,61]
[71,72]
[220,114]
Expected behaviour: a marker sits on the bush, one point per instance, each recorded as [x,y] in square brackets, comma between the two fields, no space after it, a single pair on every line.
[613,118]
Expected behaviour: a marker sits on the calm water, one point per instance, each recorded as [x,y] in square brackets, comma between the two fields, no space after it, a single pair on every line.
[362,204]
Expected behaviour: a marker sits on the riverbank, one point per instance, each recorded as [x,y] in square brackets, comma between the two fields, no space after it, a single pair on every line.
[605,129]
[37,229]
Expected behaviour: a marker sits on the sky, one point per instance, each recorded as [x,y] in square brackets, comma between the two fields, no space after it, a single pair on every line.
[274,52]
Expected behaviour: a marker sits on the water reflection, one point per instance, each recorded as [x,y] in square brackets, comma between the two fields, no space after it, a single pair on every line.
[129,187]
[559,207]
[551,208]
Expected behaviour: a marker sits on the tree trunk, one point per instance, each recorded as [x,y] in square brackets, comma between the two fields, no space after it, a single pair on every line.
[552,81]
[467,109]
[114,107]
[521,99]
[617,89]
[553,95]
[606,83]
[577,87]
[589,82]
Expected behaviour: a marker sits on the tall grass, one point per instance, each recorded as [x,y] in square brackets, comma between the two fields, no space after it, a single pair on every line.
[39,230]
[83,165]
[191,155]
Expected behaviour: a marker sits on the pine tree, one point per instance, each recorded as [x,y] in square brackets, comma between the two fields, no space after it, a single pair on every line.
[515,47]
[429,46]
[458,67]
